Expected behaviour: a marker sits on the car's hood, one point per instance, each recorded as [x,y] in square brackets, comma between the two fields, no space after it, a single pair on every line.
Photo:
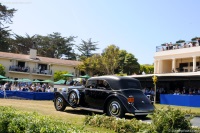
[141,102]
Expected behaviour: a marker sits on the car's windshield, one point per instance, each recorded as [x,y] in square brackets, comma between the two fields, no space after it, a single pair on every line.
[127,84]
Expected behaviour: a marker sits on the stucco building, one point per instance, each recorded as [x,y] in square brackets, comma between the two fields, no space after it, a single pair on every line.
[35,67]
[175,67]
[177,60]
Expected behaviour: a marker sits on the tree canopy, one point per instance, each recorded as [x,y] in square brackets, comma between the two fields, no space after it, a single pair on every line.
[5,18]
[111,61]
[2,70]
[147,68]
[22,44]
[131,64]
[54,45]
[6,14]
[59,75]
[86,47]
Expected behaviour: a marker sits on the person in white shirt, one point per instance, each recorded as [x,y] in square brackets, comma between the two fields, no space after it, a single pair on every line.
[190,44]
[152,92]
[177,92]
[198,91]
[6,86]
[144,90]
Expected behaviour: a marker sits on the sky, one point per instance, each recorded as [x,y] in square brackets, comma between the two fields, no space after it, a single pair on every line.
[137,26]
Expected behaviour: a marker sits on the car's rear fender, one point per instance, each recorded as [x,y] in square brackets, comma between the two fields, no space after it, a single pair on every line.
[128,107]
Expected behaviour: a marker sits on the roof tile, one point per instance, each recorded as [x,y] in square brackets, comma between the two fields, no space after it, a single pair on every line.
[39,58]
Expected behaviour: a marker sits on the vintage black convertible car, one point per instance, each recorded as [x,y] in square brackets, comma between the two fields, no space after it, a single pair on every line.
[112,95]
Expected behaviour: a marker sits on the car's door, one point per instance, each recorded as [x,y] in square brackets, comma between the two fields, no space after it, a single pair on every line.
[96,96]
[102,92]
[90,93]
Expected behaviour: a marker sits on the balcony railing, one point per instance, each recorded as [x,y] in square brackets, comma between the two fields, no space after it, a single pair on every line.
[177,46]
[19,69]
[27,70]
[39,71]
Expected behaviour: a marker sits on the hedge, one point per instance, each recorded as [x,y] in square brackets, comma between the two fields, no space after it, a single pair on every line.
[163,121]
[14,121]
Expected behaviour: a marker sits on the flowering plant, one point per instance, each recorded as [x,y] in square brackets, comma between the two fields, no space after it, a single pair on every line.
[155,79]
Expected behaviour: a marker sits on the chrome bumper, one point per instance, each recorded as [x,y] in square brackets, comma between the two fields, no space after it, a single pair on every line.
[143,112]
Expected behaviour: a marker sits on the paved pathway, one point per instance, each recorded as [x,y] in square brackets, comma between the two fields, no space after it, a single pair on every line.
[195,121]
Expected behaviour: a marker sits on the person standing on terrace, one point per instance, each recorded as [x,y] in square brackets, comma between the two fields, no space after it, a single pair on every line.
[185,45]
[40,68]
[170,46]
[190,44]
[167,46]
[176,46]
[198,42]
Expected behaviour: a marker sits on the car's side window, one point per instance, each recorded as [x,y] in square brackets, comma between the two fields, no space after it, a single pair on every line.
[102,84]
[107,86]
[98,84]
[91,84]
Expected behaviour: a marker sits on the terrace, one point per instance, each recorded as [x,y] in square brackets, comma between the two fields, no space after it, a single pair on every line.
[175,46]
[179,58]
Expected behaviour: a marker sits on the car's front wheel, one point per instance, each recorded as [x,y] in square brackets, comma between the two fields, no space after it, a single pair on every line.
[115,108]
[60,103]
[73,98]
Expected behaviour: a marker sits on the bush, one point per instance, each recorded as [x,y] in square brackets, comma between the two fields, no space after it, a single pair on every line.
[13,121]
[163,121]
[116,124]
[170,120]
[2,70]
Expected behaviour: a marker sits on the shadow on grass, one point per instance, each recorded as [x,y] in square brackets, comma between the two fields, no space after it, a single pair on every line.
[82,112]
[85,112]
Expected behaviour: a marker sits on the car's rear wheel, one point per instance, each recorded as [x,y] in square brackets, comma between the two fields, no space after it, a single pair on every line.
[115,108]
[60,103]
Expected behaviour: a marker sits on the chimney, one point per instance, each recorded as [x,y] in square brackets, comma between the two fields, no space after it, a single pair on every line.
[33,53]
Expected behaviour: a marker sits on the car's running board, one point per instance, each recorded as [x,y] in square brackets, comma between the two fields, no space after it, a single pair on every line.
[90,109]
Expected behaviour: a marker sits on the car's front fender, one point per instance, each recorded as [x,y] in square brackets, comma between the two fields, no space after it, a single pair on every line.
[63,94]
